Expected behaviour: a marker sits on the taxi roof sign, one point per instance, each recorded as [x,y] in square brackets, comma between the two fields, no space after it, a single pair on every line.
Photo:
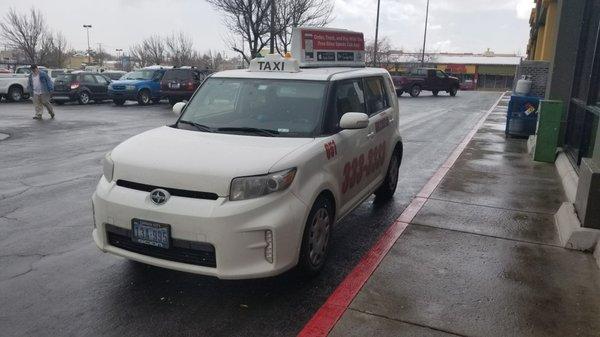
[328,47]
[274,63]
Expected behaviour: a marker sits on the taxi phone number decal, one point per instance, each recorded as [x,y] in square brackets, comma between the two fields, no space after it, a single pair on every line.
[358,166]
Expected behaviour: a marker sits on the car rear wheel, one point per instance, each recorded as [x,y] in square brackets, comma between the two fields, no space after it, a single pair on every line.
[15,94]
[83,98]
[119,101]
[435,92]
[315,241]
[388,187]
[399,93]
[453,91]
[173,100]
[144,97]
[415,90]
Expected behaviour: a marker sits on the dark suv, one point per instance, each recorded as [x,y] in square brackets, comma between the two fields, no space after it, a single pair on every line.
[82,87]
[180,83]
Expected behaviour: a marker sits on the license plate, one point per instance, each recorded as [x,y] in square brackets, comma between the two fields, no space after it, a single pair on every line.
[150,233]
[174,85]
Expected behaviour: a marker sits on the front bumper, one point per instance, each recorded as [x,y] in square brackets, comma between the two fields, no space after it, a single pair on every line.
[129,95]
[236,229]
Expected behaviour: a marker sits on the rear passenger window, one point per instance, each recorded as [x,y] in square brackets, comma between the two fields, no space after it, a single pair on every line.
[377,98]
[87,78]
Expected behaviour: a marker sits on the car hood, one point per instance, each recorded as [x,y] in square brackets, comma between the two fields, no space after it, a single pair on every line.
[125,82]
[198,161]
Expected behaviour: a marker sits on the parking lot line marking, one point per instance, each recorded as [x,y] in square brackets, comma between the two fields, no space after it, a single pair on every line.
[336,304]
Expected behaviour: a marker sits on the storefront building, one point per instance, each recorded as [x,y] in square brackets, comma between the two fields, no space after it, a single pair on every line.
[567,34]
[487,71]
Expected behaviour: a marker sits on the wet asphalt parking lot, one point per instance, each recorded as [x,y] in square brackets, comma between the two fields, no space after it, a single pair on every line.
[55,282]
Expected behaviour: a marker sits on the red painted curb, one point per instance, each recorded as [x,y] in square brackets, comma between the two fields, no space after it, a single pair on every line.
[332,310]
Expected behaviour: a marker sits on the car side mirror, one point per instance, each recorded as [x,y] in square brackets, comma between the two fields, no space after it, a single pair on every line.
[178,107]
[354,120]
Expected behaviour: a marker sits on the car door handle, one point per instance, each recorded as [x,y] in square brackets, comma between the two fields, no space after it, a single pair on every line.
[371,135]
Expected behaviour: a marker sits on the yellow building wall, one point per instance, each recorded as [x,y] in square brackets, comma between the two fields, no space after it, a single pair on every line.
[545,43]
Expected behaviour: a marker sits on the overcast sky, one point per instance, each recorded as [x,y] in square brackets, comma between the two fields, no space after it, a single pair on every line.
[454,25]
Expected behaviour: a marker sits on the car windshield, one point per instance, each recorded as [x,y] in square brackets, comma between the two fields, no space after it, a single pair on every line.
[139,75]
[285,108]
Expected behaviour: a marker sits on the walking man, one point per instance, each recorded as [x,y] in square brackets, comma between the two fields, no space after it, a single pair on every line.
[40,86]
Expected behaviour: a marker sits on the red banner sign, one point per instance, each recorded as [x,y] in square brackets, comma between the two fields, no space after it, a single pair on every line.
[332,40]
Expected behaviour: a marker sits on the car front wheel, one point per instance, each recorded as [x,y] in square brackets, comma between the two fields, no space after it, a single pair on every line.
[415,90]
[144,97]
[315,241]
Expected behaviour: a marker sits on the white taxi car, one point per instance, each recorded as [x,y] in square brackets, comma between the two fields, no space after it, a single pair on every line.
[255,172]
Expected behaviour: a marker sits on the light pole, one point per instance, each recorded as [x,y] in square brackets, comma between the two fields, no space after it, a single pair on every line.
[376,35]
[120,56]
[272,46]
[87,28]
[425,35]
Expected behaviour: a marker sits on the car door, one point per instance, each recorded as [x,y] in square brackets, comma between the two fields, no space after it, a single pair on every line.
[347,150]
[102,86]
[441,80]
[381,121]
[90,83]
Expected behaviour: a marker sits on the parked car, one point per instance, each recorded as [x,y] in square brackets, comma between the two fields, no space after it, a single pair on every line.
[142,86]
[82,87]
[27,70]
[430,79]
[114,75]
[180,83]
[14,86]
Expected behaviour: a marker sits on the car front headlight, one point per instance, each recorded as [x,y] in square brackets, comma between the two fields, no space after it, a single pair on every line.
[130,87]
[108,167]
[256,186]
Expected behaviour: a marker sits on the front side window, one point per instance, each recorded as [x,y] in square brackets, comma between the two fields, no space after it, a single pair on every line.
[347,96]
[284,108]
[377,99]
[440,74]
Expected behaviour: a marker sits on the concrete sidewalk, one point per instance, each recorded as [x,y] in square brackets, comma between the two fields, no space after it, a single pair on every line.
[481,258]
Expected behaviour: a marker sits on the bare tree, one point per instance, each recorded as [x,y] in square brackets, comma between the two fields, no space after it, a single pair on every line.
[150,51]
[296,13]
[61,50]
[180,48]
[23,31]
[384,48]
[248,21]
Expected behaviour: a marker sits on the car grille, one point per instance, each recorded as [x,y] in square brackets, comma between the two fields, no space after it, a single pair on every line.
[172,191]
[118,87]
[190,252]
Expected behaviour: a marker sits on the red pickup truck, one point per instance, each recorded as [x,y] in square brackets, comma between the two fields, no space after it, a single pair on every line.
[430,79]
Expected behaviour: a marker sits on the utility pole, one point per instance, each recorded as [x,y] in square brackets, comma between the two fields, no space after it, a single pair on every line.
[100,57]
[89,51]
[272,46]
[120,56]
[425,35]
[376,35]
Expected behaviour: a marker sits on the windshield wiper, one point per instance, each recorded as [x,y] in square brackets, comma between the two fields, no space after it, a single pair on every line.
[198,126]
[266,132]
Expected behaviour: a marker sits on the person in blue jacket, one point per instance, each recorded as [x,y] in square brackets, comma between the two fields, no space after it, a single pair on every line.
[40,87]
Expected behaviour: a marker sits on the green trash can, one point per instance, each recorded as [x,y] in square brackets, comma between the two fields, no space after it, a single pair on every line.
[550,115]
